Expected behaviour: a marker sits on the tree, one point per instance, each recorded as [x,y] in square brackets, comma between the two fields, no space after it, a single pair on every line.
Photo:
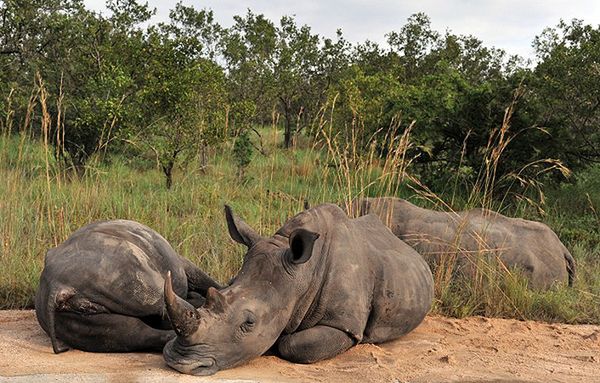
[412,44]
[248,48]
[30,30]
[85,59]
[184,95]
[456,92]
[196,32]
[295,71]
[566,88]
[242,153]
[284,68]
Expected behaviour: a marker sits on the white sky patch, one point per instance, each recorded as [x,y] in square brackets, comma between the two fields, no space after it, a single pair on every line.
[510,24]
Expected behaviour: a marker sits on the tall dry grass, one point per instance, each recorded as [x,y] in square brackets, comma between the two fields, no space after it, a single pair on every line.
[490,288]
[42,205]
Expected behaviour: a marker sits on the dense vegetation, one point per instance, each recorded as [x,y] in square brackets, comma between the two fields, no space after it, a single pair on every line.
[104,116]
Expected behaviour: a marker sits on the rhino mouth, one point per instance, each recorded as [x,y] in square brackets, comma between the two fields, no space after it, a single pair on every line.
[204,365]
[201,367]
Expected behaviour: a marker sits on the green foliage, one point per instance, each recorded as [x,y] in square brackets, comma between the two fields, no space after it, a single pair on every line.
[86,63]
[296,52]
[242,113]
[458,94]
[248,48]
[176,88]
[566,84]
[184,92]
[242,152]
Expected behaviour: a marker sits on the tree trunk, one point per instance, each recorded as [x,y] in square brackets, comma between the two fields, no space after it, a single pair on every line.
[78,163]
[287,134]
[168,171]
[203,157]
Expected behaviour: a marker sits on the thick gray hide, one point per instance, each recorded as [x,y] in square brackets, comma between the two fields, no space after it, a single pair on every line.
[530,246]
[366,282]
[102,289]
[320,285]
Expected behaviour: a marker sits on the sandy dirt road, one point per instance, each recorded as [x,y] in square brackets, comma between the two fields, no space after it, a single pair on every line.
[440,350]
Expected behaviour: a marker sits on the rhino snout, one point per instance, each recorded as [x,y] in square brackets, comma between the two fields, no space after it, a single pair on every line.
[191,365]
[200,367]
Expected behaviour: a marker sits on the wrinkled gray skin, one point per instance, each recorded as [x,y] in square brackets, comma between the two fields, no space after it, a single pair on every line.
[102,289]
[321,284]
[530,246]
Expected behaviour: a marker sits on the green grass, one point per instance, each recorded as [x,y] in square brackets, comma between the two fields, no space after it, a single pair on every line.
[41,208]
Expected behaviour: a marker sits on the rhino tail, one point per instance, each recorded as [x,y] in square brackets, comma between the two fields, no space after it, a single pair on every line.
[58,296]
[570,266]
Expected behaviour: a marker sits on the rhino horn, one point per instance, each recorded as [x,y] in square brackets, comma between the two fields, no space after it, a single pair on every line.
[182,315]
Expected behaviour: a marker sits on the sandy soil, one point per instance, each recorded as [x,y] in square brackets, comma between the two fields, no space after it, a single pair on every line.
[440,350]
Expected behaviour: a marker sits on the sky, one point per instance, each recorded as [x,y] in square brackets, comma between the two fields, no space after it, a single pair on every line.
[507,24]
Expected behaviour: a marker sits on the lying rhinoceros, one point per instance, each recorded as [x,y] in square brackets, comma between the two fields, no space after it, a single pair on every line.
[320,285]
[102,289]
[531,246]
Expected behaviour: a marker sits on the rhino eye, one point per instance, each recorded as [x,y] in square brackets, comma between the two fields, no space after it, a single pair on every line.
[248,323]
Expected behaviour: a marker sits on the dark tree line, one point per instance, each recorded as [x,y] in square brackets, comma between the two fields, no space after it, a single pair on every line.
[175,89]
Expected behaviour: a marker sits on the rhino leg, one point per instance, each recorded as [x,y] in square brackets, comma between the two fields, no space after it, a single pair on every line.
[314,344]
[198,280]
[195,299]
[109,333]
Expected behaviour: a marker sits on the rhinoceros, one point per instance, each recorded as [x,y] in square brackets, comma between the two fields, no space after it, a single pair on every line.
[530,246]
[102,289]
[321,284]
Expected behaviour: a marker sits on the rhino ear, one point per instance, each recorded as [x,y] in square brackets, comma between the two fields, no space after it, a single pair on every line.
[359,207]
[301,245]
[239,230]
[365,207]
[306,204]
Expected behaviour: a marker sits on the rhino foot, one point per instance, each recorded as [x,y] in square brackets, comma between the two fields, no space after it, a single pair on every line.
[314,344]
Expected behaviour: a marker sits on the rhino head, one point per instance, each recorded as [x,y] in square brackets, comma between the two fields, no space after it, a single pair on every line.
[243,320]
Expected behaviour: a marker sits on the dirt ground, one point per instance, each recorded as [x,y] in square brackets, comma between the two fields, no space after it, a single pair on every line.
[440,350]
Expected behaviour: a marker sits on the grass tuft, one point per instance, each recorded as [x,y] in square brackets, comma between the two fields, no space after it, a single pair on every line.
[42,204]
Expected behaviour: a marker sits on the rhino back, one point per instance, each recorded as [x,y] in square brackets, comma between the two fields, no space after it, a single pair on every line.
[118,265]
[403,284]
[428,231]
[529,245]
[376,287]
